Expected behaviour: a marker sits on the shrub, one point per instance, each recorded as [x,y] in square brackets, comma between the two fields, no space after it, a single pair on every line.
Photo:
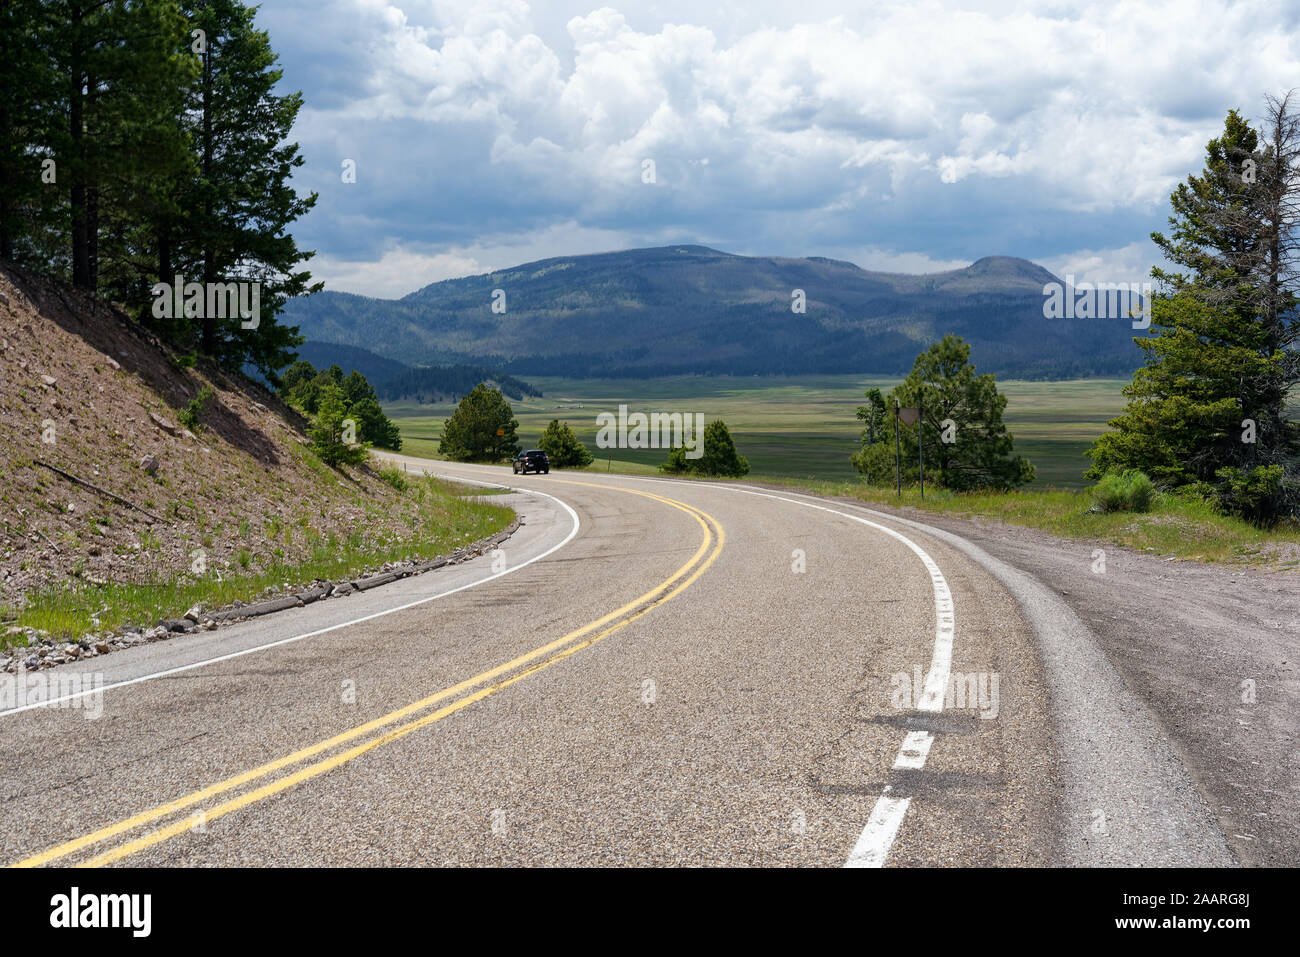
[1258,495]
[562,446]
[876,462]
[1127,491]
[719,455]
[189,415]
[394,477]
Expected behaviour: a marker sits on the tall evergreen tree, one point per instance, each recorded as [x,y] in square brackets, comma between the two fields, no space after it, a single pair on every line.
[967,446]
[1209,406]
[240,205]
[111,123]
[28,83]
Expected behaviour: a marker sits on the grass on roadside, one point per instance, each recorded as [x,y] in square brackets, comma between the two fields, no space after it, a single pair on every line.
[1175,526]
[448,520]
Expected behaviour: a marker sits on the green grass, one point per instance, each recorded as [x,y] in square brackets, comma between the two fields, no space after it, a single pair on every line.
[1176,526]
[802,428]
[450,520]
[801,431]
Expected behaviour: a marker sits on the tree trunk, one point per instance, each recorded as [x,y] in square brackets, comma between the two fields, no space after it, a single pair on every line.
[208,342]
[76,128]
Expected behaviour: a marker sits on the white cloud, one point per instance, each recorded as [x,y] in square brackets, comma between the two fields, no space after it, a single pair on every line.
[924,126]
[1129,264]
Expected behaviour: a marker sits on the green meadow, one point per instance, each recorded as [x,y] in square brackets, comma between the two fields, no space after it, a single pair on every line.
[789,428]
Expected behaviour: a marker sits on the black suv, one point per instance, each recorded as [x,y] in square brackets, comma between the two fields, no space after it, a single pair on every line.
[534,460]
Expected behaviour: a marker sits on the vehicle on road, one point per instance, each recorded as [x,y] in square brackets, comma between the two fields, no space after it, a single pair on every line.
[533,460]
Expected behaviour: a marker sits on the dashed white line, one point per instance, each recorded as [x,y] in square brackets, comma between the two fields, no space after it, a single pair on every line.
[877,838]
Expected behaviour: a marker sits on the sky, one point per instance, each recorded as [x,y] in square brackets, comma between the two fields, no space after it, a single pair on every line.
[902,136]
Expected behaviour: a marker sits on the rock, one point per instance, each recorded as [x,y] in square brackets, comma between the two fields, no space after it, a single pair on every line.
[342,588]
[194,612]
[187,434]
[32,662]
[171,428]
[176,624]
[117,366]
[49,380]
[208,624]
[5,663]
[148,464]
[158,631]
[103,647]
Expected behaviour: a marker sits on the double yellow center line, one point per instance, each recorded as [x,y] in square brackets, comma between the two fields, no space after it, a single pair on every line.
[392,726]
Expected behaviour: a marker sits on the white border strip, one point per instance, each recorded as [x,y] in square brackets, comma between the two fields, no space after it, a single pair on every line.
[321,631]
[877,838]
[873,846]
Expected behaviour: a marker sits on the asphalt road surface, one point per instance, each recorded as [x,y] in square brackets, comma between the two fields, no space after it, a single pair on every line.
[649,672]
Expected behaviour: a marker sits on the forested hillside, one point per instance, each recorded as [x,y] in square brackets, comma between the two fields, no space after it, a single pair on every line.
[144,157]
[689,309]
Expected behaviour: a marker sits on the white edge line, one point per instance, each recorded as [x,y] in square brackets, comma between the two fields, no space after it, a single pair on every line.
[320,631]
[877,838]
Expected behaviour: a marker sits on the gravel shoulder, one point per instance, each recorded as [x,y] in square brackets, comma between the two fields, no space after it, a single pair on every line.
[1211,651]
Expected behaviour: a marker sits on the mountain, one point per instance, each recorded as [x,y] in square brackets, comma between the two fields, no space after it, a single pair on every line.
[428,384]
[394,381]
[374,367]
[691,309]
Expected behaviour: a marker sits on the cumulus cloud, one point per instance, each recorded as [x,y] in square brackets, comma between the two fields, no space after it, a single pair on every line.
[922,130]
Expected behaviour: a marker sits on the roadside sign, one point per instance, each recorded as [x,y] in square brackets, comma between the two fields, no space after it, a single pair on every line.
[907,416]
[501,431]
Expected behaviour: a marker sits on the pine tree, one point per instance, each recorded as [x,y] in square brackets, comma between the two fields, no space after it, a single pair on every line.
[874,416]
[562,446]
[967,446]
[1208,409]
[239,205]
[110,125]
[29,84]
[482,429]
[329,431]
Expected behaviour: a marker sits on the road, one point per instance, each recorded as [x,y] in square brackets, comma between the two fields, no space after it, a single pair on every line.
[650,672]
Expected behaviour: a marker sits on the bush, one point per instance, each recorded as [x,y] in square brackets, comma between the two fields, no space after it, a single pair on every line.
[562,446]
[189,415]
[719,455]
[1259,496]
[394,476]
[877,463]
[1127,491]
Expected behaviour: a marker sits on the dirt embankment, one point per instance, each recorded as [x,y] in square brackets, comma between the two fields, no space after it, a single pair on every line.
[101,482]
